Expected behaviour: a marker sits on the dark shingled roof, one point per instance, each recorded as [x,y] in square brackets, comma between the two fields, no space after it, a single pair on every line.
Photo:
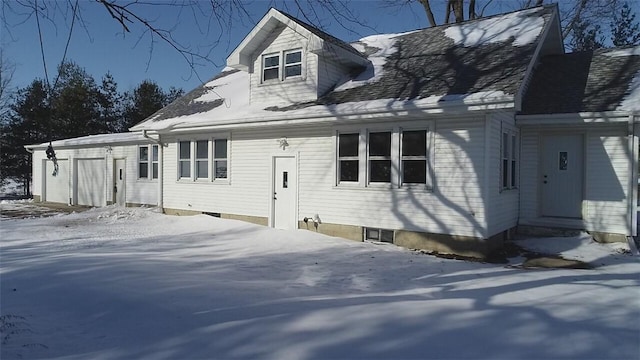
[428,63]
[323,35]
[580,82]
[185,105]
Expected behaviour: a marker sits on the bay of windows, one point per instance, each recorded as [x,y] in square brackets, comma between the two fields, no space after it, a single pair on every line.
[370,157]
[205,159]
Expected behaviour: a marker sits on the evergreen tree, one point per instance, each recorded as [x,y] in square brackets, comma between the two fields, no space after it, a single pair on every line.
[27,123]
[75,103]
[144,100]
[625,31]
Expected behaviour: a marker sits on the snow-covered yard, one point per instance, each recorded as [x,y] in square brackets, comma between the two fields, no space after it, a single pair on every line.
[129,283]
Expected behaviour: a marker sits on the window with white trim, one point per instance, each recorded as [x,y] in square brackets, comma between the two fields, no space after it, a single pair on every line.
[220,162]
[348,159]
[202,159]
[379,157]
[288,63]
[184,159]
[154,161]
[292,63]
[270,67]
[413,152]
[147,165]
[397,157]
[509,165]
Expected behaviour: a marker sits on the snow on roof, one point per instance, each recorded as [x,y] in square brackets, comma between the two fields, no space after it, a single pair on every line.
[493,74]
[631,101]
[632,51]
[101,139]
[384,45]
[521,26]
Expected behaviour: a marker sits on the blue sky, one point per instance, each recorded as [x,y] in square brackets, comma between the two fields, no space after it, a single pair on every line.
[99,45]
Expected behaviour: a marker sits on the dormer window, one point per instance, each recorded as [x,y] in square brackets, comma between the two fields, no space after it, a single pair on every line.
[292,63]
[270,67]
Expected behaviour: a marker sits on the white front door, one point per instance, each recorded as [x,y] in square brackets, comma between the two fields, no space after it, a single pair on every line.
[562,175]
[285,188]
[119,191]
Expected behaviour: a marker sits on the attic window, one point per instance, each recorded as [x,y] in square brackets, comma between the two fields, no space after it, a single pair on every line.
[270,67]
[292,63]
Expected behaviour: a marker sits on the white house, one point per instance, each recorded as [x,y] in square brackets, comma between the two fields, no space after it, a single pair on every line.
[430,139]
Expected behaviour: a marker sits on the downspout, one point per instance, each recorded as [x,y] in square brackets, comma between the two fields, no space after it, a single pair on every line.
[633,183]
[160,166]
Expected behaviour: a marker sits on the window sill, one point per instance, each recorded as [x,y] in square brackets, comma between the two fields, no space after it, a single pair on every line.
[385,188]
[290,80]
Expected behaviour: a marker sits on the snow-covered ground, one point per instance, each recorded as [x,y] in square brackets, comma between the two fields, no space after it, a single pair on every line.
[129,283]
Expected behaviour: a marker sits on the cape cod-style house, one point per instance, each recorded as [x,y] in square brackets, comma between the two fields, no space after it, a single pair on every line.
[445,138]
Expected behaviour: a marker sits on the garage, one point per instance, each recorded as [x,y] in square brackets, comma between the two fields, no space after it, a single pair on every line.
[90,182]
[56,187]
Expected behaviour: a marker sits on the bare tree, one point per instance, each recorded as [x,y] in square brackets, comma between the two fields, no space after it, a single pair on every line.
[7,70]
[214,19]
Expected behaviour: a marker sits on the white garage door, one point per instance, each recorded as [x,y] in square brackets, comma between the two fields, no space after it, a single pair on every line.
[90,182]
[56,187]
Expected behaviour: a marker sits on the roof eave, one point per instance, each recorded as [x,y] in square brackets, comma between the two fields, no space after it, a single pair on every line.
[601,117]
[448,107]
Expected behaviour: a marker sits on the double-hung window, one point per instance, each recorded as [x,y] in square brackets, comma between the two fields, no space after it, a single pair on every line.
[202,159]
[292,63]
[379,157]
[154,161]
[348,160]
[220,158]
[148,165]
[414,157]
[271,67]
[143,162]
[184,159]
[509,164]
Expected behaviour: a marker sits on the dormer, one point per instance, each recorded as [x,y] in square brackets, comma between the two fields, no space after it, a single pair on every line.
[290,61]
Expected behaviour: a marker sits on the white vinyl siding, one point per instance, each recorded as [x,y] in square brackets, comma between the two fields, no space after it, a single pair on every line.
[138,192]
[458,153]
[502,206]
[606,172]
[302,87]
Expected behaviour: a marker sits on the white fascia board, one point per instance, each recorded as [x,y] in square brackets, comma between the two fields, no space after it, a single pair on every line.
[381,115]
[240,58]
[608,117]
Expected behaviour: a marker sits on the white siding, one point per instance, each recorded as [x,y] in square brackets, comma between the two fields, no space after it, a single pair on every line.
[329,75]
[502,204]
[455,206]
[606,193]
[137,191]
[274,92]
